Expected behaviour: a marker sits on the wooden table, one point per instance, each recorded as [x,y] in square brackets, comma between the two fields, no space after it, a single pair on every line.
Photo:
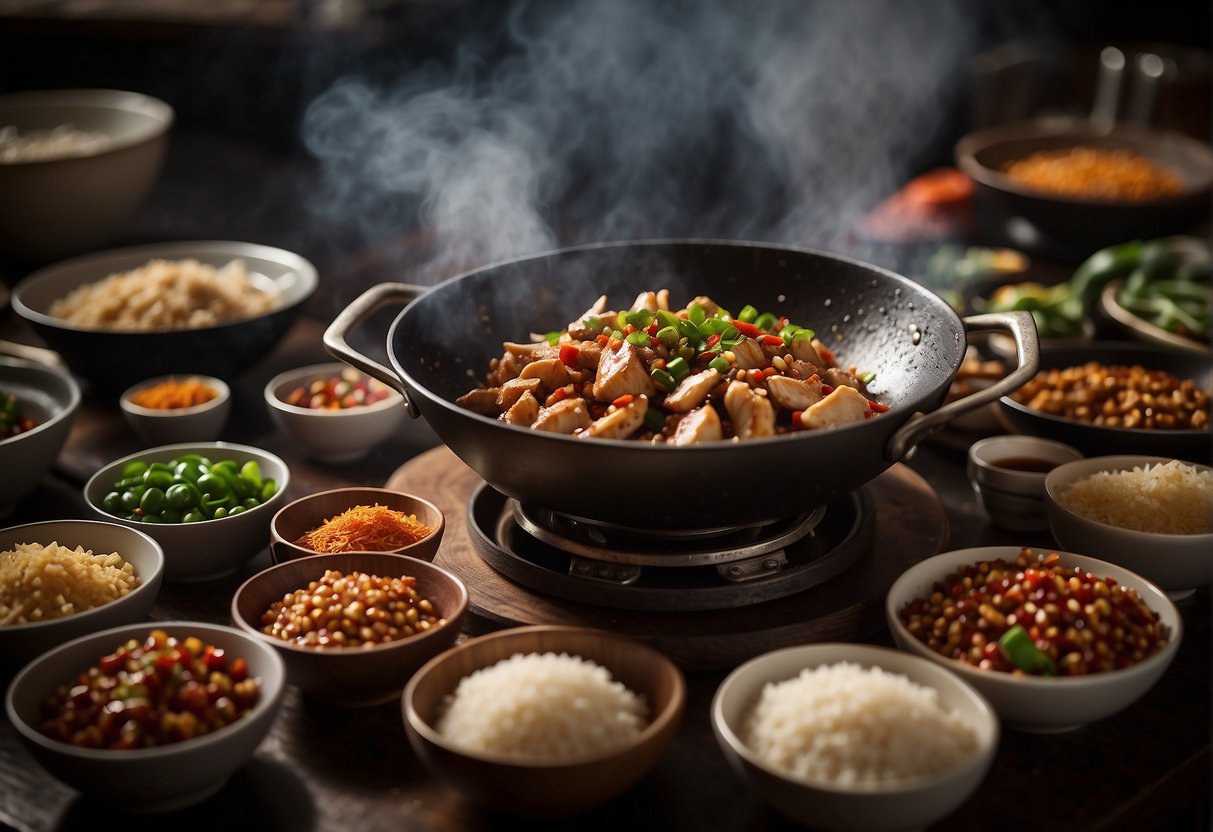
[330,769]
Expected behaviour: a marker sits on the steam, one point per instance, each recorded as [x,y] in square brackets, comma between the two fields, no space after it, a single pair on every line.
[635,119]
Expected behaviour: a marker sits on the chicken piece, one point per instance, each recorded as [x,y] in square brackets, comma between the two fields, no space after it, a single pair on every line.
[620,423]
[691,391]
[538,351]
[588,355]
[752,414]
[550,372]
[510,392]
[709,306]
[806,369]
[702,425]
[482,400]
[579,330]
[749,355]
[645,300]
[566,416]
[621,372]
[505,368]
[803,350]
[792,393]
[842,378]
[663,299]
[523,412]
[843,406]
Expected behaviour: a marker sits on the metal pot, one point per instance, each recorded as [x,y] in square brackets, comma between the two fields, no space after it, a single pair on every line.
[441,343]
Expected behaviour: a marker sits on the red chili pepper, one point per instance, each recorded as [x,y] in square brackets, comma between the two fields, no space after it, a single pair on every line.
[624,400]
[713,340]
[569,354]
[769,371]
[827,389]
[748,330]
[826,354]
[813,378]
[877,407]
[652,330]
[602,340]
[772,340]
[797,419]
[557,395]
[616,344]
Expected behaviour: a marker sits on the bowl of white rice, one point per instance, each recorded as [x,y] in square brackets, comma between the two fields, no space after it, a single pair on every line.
[544,721]
[1150,514]
[849,736]
[74,166]
[66,578]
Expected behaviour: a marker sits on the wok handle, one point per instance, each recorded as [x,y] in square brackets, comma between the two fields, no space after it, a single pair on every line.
[336,337]
[1022,327]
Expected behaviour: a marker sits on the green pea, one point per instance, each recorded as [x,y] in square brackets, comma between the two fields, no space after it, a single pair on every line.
[152,501]
[188,470]
[192,516]
[170,516]
[251,472]
[237,510]
[220,513]
[128,482]
[135,468]
[112,503]
[251,502]
[195,458]
[213,486]
[130,499]
[228,465]
[152,518]
[183,496]
[155,478]
[268,489]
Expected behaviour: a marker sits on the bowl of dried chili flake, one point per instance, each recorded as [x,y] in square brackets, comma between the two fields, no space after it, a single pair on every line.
[177,408]
[357,520]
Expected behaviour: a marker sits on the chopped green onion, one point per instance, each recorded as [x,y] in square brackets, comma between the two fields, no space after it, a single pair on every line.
[719,364]
[688,330]
[696,314]
[668,335]
[869,376]
[678,368]
[663,378]
[666,318]
[640,319]
[766,321]
[803,334]
[592,322]
[748,314]
[552,338]
[654,419]
[640,338]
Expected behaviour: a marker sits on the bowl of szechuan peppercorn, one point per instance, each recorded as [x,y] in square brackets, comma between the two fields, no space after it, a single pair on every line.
[177,408]
[354,627]
[208,504]
[1054,640]
[338,413]
[152,738]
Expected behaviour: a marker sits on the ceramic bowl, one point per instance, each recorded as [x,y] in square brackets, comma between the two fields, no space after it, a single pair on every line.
[163,426]
[112,360]
[1176,562]
[1035,703]
[542,789]
[905,804]
[339,435]
[209,549]
[1008,476]
[51,398]
[1098,440]
[62,205]
[19,643]
[353,676]
[159,779]
[299,517]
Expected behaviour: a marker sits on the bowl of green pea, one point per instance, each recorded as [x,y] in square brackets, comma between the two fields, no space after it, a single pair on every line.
[208,504]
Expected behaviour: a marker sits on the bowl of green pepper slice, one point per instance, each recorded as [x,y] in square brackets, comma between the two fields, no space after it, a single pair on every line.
[208,504]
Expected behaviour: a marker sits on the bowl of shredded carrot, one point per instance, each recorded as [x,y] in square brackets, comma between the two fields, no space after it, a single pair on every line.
[179,408]
[357,520]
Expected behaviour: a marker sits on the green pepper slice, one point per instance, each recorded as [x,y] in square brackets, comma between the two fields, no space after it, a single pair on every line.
[1019,649]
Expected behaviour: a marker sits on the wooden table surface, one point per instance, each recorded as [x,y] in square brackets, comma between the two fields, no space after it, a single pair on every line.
[330,769]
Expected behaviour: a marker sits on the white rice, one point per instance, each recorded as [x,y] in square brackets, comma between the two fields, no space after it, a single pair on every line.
[57,143]
[1165,498]
[39,583]
[542,706]
[846,725]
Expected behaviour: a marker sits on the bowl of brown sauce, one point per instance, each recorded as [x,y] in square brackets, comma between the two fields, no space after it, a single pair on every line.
[1008,477]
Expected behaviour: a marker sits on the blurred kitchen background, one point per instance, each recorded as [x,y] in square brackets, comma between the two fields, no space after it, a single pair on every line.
[410,139]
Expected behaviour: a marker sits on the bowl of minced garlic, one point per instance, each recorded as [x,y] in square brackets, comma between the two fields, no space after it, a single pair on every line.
[357,520]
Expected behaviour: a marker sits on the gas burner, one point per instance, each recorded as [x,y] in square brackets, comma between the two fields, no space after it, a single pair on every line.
[611,544]
[594,564]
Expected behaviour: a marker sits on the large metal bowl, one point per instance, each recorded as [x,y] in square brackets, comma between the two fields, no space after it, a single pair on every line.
[442,342]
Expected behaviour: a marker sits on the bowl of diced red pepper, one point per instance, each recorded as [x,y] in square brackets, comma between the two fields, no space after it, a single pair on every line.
[338,413]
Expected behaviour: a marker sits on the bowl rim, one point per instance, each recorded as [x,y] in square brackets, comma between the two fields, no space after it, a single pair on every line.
[867,656]
[970,145]
[656,726]
[125,401]
[68,411]
[305,281]
[270,392]
[1111,463]
[1110,305]
[145,581]
[1159,602]
[161,114]
[357,488]
[290,647]
[191,447]
[268,701]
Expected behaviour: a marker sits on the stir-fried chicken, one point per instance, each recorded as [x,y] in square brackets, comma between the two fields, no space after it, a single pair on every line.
[682,377]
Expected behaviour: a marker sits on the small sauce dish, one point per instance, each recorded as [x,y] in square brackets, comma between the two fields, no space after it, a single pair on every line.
[1008,476]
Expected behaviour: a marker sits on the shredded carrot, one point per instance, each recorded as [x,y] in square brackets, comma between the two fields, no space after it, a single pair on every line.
[373,528]
[174,394]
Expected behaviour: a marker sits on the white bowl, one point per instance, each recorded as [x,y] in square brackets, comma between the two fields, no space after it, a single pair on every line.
[157,779]
[52,398]
[20,643]
[908,804]
[161,426]
[1014,499]
[212,548]
[337,436]
[1035,703]
[1176,562]
[57,207]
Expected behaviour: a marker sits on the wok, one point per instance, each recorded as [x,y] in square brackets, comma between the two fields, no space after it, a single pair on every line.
[441,343]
